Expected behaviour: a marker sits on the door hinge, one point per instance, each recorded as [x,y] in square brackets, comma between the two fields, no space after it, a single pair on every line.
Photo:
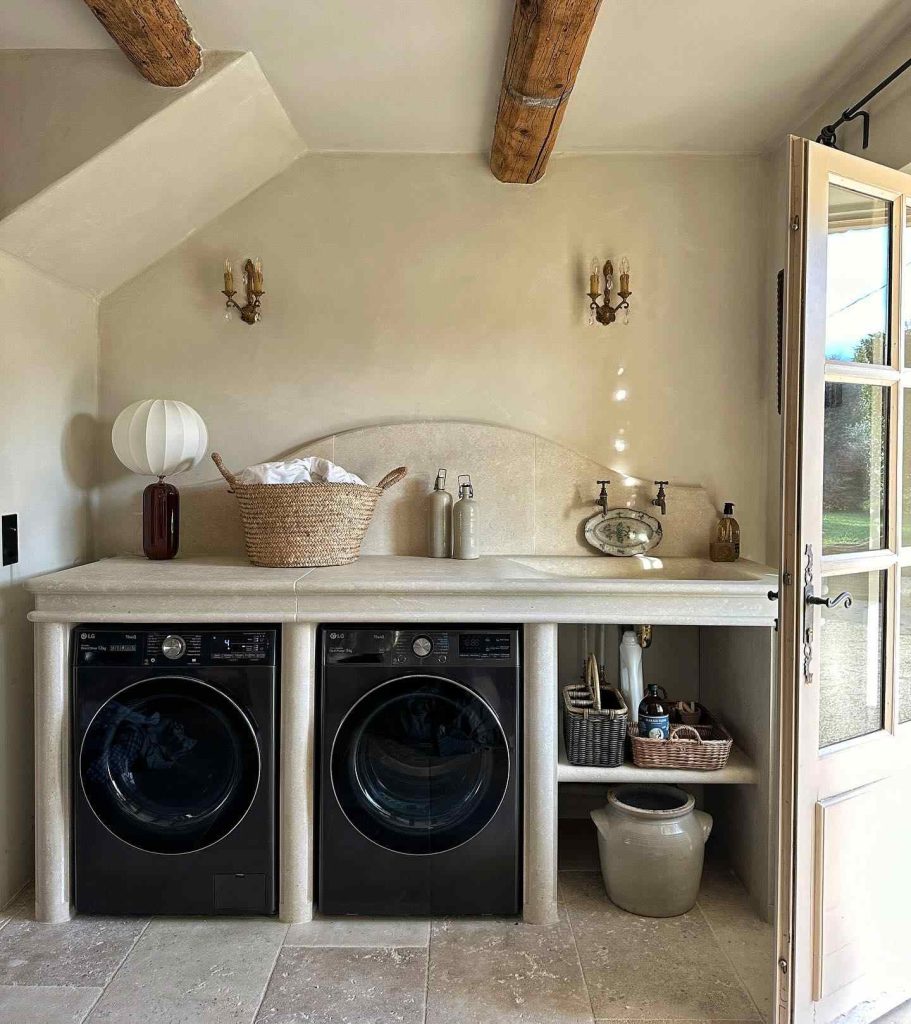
[783,965]
[795,222]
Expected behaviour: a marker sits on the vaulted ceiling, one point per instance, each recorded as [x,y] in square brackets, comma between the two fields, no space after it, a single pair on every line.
[424,75]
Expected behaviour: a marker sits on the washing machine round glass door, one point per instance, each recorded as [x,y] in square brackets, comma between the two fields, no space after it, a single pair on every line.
[170,765]
[420,765]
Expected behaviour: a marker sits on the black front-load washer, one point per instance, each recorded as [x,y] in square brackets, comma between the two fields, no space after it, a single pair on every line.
[420,770]
[174,746]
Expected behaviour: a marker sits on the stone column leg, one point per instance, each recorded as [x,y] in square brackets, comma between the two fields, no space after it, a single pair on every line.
[541,723]
[53,796]
[296,772]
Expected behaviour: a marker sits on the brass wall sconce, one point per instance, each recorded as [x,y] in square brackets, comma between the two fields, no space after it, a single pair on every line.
[253,286]
[606,313]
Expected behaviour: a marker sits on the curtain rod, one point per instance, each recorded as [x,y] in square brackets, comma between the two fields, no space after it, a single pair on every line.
[827,134]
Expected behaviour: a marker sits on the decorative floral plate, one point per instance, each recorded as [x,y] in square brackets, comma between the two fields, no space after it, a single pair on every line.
[623,531]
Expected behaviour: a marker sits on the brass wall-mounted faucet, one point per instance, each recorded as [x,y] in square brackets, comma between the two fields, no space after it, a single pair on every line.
[602,497]
[660,499]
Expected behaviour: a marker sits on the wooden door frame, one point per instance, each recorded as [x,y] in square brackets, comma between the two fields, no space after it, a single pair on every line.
[800,383]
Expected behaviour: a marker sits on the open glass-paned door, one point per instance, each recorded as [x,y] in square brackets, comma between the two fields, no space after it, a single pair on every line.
[845,596]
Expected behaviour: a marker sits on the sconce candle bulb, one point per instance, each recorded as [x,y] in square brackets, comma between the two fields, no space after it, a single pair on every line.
[605,313]
[253,286]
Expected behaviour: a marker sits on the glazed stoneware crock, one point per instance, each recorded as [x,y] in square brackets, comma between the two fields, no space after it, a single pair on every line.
[651,842]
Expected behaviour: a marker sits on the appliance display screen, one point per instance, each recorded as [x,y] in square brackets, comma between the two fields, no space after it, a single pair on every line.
[495,646]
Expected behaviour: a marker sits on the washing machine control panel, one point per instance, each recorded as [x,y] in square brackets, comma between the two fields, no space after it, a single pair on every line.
[174,646]
[424,648]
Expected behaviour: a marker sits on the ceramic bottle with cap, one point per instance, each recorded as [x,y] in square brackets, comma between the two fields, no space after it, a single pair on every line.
[439,519]
[465,522]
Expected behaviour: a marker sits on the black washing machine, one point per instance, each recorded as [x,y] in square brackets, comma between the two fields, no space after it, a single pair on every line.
[420,808]
[174,749]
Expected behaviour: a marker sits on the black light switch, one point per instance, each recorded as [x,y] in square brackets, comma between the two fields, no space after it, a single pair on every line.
[9,538]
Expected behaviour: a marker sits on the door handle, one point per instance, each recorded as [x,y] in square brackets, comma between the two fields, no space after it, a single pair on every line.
[844,598]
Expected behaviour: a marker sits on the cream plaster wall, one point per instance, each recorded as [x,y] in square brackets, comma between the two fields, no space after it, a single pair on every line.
[48,404]
[61,107]
[415,287]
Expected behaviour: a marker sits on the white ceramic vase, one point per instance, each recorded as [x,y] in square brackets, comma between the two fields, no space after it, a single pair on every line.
[651,842]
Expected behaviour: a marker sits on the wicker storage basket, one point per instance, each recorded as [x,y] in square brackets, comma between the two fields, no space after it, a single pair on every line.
[594,735]
[687,747]
[303,525]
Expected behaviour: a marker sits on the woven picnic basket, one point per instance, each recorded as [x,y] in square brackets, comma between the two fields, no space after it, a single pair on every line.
[703,748]
[595,719]
[303,525]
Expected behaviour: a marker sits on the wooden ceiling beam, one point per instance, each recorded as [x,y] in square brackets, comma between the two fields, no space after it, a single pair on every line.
[155,35]
[545,50]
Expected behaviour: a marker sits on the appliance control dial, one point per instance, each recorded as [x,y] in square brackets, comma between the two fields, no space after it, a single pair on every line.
[173,647]
[422,646]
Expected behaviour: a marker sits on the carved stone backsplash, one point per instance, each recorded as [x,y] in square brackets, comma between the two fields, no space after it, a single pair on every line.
[535,495]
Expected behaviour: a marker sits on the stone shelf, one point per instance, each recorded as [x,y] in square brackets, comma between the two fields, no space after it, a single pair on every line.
[739,771]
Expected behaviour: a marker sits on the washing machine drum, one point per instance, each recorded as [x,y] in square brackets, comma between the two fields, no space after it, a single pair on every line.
[170,765]
[420,765]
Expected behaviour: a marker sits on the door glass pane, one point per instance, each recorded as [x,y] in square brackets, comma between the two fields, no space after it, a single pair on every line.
[857,277]
[904,651]
[851,659]
[854,468]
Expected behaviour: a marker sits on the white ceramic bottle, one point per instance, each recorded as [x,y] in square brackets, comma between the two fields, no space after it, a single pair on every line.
[465,522]
[631,685]
[439,519]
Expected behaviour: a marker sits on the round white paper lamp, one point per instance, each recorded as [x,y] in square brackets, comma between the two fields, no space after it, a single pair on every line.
[159,437]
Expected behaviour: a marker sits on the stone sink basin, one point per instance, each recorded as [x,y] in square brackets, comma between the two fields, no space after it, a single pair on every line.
[644,567]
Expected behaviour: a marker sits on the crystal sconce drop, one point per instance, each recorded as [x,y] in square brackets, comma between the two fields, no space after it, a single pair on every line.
[253,286]
[606,313]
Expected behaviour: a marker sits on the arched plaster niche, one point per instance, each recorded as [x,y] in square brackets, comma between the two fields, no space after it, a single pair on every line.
[535,495]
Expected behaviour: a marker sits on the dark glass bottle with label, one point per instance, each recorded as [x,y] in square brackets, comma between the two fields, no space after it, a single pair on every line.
[654,714]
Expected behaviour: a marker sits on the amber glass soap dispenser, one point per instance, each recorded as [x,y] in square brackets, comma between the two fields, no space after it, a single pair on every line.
[725,546]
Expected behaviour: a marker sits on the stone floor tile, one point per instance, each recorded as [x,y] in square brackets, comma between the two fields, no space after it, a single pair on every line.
[641,968]
[745,938]
[193,971]
[499,971]
[577,845]
[84,952]
[346,986]
[360,931]
[27,1004]
[22,906]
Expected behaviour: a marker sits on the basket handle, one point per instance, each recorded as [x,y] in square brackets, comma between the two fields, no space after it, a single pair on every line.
[223,469]
[593,680]
[678,729]
[392,478]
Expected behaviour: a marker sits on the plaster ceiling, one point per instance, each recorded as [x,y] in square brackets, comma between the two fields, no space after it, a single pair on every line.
[423,75]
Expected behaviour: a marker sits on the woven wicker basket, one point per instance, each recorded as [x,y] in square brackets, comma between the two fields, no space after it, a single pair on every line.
[303,525]
[687,747]
[594,735]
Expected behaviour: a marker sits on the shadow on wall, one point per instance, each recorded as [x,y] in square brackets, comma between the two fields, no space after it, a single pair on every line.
[77,451]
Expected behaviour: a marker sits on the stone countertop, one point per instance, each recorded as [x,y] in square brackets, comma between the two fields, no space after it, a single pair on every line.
[517,588]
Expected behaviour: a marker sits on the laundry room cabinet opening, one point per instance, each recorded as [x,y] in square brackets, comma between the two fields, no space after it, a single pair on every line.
[728,670]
